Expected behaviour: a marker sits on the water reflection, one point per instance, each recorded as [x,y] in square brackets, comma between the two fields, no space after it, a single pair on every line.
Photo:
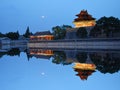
[106,62]
[12,52]
[86,62]
[84,70]
[40,53]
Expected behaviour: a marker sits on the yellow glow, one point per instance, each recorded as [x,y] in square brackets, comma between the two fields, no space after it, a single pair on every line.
[42,52]
[45,36]
[84,23]
[84,66]
[42,37]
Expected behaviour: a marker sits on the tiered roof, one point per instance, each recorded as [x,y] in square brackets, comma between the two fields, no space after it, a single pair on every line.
[43,33]
[84,70]
[83,74]
[83,15]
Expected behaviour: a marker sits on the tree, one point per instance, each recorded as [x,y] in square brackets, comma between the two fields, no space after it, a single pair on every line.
[109,25]
[2,35]
[2,54]
[59,32]
[66,26]
[108,21]
[12,35]
[106,63]
[14,52]
[96,31]
[59,57]
[27,33]
[17,33]
[81,57]
[82,32]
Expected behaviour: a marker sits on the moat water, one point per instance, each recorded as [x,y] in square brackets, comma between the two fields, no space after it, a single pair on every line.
[42,69]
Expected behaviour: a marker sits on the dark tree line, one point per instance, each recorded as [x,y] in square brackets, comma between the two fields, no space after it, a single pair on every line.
[107,26]
[11,52]
[59,32]
[13,35]
[107,63]
[59,57]
[16,35]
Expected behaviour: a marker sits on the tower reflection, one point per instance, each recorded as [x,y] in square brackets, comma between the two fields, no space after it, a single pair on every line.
[86,62]
[84,70]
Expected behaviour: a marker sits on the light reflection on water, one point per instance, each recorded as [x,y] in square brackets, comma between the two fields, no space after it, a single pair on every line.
[23,69]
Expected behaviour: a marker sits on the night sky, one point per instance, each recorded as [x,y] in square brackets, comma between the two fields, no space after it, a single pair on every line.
[41,15]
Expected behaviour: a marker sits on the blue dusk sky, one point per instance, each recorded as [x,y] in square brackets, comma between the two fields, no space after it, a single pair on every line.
[41,15]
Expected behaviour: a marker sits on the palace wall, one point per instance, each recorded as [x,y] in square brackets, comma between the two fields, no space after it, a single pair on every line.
[78,44]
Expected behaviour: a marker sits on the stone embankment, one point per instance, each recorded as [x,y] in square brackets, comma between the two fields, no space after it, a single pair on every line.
[111,43]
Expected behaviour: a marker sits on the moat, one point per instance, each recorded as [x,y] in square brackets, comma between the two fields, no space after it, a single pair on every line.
[54,67]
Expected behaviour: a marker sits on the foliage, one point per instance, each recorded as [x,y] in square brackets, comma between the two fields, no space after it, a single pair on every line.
[109,25]
[108,21]
[27,33]
[81,57]
[82,32]
[96,31]
[11,52]
[59,32]
[27,54]
[107,63]
[59,57]
[14,52]
[2,35]
[13,35]
[2,54]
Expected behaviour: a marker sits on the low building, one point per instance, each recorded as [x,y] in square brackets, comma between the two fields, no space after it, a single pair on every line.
[5,40]
[5,43]
[46,35]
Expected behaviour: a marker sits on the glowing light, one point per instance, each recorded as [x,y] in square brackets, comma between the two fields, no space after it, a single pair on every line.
[42,17]
[42,73]
[84,23]
[84,66]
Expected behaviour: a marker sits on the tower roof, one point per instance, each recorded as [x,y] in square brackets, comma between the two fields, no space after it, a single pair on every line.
[83,15]
[84,74]
[43,33]
[84,70]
